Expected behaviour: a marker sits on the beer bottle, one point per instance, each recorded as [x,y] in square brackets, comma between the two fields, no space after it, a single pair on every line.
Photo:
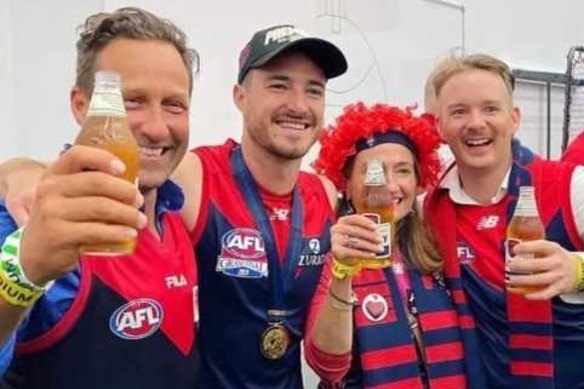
[525,225]
[106,127]
[376,204]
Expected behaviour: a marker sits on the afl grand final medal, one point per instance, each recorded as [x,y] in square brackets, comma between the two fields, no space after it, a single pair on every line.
[274,341]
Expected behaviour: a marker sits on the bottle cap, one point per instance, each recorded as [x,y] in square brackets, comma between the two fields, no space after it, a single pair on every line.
[107,77]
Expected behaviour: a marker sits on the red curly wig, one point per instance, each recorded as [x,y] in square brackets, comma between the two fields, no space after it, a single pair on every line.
[359,122]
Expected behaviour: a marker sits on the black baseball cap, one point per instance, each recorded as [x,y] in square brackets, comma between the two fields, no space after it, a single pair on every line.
[268,43]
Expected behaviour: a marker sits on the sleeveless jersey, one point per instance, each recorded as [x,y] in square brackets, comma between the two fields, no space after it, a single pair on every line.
[131,324]
[234,279]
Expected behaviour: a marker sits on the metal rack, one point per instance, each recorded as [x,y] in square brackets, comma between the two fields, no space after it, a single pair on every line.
[547,79]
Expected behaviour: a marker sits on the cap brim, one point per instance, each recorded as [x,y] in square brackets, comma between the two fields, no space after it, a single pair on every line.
[327,56]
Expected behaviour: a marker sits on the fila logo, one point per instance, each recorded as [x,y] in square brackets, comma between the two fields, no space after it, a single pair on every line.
[488,222]
[176,281]
[281,34]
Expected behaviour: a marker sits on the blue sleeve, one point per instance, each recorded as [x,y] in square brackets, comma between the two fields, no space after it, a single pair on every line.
[48,310]
[6,354]
[7,225]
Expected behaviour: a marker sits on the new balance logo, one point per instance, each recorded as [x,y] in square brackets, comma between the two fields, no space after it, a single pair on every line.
[280,214]
[488,222]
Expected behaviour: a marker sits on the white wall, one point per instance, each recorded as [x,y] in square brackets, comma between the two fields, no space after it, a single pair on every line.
[391,45]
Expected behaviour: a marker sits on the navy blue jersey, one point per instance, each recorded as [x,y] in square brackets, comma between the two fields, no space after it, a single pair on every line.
[235,292]
[130,325]
[535,344]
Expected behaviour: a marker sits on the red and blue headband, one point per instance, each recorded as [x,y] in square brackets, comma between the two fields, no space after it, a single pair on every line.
[360,127]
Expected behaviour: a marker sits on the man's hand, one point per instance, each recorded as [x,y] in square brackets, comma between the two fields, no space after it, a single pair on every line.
[554,269]
[354,237]
[19,178]
[79,201]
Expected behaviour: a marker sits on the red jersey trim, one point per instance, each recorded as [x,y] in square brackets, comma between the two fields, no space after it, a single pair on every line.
[66,323]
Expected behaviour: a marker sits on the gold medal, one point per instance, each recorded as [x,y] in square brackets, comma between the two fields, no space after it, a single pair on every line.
[274,341]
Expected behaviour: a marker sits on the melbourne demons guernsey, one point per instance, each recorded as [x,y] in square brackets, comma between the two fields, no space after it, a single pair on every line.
[523,343]
[236,275]
[130,325]
[575,151]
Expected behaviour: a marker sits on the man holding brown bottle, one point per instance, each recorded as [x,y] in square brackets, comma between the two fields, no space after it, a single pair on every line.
[529,340]
[124,321]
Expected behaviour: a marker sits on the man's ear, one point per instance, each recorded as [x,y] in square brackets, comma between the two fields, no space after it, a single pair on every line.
[516,117]
[239,96]
[79,102]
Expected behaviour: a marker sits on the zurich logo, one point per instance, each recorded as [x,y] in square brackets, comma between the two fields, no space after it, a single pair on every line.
[137,319]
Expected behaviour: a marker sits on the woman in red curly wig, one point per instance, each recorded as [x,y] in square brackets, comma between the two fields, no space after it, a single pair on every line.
[399,321]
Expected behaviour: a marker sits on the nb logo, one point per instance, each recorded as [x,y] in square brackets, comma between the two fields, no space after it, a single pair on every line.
[280,214]
[488,222]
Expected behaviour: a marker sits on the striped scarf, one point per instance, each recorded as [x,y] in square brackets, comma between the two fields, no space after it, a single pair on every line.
[530,322]
[384,340]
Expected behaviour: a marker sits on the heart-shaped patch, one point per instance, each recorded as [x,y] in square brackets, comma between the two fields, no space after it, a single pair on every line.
[375,307]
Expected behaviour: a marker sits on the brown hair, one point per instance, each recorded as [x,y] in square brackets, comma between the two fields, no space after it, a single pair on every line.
[100,29]
[421,245]
[454,65]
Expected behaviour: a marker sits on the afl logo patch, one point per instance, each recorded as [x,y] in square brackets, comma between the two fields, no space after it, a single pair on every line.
[375,307]
[137,319]
[243,254]
[244,243]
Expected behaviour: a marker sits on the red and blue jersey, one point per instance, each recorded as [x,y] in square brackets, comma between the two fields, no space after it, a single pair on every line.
[234,272]
[575,151]
[117,322]
[523,343]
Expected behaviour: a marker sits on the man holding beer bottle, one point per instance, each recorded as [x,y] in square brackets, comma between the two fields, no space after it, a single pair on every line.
[122,321]
[260,226]
[535,339]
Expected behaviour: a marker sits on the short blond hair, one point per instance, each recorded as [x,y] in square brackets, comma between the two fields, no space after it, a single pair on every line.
[455,65]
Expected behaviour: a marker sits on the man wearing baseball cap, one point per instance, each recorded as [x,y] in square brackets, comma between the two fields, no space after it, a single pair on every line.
[262,233]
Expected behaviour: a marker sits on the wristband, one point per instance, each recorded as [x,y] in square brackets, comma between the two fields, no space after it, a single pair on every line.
[15,294]
[342,271]
[10,262]
[579,273]
[352,302]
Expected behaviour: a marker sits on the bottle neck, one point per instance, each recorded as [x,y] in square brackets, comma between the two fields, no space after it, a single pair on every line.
[106,100]
[526,205]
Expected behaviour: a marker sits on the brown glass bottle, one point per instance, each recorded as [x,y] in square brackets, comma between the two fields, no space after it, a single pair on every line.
[525,225]
[376,204]
[106,127]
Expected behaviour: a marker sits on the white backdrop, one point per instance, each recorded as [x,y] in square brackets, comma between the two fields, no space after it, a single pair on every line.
[390,44]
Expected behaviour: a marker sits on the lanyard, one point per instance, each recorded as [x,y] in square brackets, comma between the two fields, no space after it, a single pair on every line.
[280,273]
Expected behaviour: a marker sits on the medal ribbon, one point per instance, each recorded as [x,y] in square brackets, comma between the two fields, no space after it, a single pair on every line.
[280,273]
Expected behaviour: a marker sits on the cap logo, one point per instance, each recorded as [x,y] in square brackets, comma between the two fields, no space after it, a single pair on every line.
[282,34]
